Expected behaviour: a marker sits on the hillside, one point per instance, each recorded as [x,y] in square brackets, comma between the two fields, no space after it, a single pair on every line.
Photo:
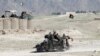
[49,6]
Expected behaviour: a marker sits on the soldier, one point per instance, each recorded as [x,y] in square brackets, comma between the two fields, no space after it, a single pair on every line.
[44,46]
[49,38]
[39,48]
[66,40]
[56,36]
[51,42]
[46,38]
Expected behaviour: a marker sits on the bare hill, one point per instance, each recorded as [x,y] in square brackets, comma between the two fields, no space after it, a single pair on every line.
[49,6]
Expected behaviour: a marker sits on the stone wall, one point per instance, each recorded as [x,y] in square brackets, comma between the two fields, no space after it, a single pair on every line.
[7,23]
[15,23]
[1,23]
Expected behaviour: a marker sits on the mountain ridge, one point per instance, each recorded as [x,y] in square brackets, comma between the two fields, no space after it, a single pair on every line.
[49,6]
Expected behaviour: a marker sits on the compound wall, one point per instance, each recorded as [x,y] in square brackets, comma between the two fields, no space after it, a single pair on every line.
[1,23]
[6,23]
[15,23]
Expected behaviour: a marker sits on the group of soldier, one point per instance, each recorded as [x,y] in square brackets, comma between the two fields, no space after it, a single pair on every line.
[53,41]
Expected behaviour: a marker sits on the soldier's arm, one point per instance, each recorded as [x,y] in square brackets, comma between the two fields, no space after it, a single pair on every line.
[70,38]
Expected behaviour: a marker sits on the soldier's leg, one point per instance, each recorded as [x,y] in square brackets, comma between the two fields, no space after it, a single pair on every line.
[67,44]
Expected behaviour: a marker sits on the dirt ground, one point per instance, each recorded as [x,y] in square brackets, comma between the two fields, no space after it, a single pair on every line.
[83,29]
[16,45]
